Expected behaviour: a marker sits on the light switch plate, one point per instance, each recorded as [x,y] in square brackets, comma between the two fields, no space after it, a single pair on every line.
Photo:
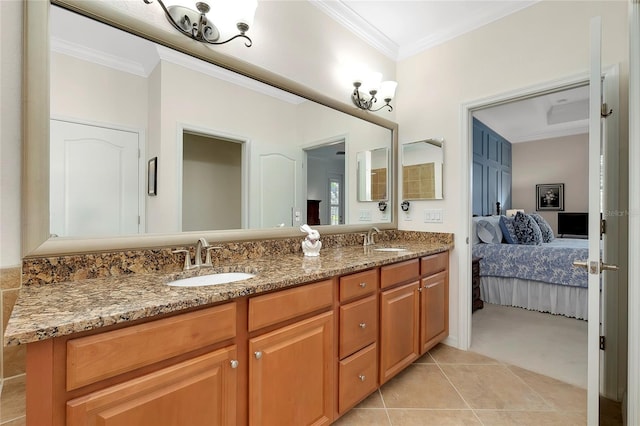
[433,216]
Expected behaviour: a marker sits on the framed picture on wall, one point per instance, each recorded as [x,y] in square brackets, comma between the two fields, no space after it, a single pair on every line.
[550,196]
[152,177]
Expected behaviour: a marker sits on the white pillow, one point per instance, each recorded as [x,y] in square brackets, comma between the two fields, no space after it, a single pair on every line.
[489,232]
[474,229]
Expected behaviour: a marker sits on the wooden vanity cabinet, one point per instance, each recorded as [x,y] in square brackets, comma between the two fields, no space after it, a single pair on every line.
[357,338]
[434,300]
[399,317]
[291,371]
[199,391]
[151,373]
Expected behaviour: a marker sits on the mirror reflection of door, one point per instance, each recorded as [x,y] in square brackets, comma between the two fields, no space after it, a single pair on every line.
[325,183]
[211,183]
[95,180]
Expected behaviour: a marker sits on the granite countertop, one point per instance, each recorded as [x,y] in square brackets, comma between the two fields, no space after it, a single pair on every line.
[45,311]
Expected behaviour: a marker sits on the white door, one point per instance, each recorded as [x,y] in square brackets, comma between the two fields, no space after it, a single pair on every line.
[277,190]
[94,180]
[596,250]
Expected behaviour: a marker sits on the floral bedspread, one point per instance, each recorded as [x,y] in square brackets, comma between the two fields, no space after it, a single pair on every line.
[549,262]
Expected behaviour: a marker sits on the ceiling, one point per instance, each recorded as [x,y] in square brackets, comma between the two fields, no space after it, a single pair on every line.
[400,29]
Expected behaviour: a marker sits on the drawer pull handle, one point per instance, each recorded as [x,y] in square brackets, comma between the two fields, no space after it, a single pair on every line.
[258,354]
[234,363]
[362,377]
[363,325]
[363,285]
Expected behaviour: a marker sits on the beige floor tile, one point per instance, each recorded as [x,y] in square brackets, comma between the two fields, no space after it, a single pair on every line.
[14,360]
[418,417]
[372,401]
[364,417]
[531,418]
[421,386]
[21,421]
[12,400]
[425,359]
[444,354]
[561,396]
[493,387]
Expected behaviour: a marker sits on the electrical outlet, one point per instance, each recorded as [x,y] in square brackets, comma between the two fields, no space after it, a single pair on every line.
[407,216]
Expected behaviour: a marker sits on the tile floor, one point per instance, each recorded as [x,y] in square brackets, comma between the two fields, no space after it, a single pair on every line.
[444,387]
[452,387]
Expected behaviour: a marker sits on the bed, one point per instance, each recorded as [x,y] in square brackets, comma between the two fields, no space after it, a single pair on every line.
[538,277]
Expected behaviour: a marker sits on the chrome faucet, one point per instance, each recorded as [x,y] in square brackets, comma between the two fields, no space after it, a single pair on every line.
[368,238]
[197,261]
[200,244]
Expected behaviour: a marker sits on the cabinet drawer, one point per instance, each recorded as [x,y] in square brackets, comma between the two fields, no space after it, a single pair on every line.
[199,391]
[287,304]
[357,285]
[399,272]
[435,263]
[97,357]
[358,325]
[357,377]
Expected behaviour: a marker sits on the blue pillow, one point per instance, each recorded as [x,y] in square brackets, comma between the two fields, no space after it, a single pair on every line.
[508,230]
[488,232]
[545,228]
[527,229]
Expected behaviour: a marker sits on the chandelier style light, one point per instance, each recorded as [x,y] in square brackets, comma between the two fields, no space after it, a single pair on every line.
[367,91]
[197,25]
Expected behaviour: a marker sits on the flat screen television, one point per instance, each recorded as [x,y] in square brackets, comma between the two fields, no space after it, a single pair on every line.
[573,224]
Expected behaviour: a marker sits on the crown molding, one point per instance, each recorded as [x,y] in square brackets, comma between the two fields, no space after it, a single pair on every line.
[98,57]
[359,26]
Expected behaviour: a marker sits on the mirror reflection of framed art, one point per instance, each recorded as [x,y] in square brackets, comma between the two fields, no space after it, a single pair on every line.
[152,177]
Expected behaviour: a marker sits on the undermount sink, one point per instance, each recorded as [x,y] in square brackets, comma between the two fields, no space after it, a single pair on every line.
[211,279]
[390,249]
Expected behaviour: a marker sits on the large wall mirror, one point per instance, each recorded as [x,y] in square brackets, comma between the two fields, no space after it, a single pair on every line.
[422,174]
[226,152]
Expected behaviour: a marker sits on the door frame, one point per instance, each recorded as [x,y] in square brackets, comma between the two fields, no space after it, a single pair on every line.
[142,165]
[466,138]
[181,128]
[633,374]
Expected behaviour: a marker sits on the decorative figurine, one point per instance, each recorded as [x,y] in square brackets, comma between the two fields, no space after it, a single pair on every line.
[311,244]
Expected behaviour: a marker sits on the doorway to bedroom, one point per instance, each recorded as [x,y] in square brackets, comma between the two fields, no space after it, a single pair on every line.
[518,146]
[554,345]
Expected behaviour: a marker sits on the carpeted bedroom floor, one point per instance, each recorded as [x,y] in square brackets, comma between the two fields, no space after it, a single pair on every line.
[552,345]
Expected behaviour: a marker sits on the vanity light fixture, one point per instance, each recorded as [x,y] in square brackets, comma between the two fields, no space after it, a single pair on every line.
[198,26]
[367,91]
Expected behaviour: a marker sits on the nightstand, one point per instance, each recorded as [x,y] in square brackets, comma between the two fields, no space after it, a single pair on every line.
[476,302]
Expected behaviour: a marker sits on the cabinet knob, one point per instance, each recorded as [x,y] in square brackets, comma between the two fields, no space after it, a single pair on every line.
[362,377]
[234,363]
[258,354]
[363,285]
[363,325]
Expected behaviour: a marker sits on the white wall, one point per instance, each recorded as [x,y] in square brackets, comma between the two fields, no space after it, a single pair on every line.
[544,42]
[10,131]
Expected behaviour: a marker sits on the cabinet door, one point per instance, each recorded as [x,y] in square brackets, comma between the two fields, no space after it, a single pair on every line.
[434,310]
[291,374]
[200,391]
[399,329]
